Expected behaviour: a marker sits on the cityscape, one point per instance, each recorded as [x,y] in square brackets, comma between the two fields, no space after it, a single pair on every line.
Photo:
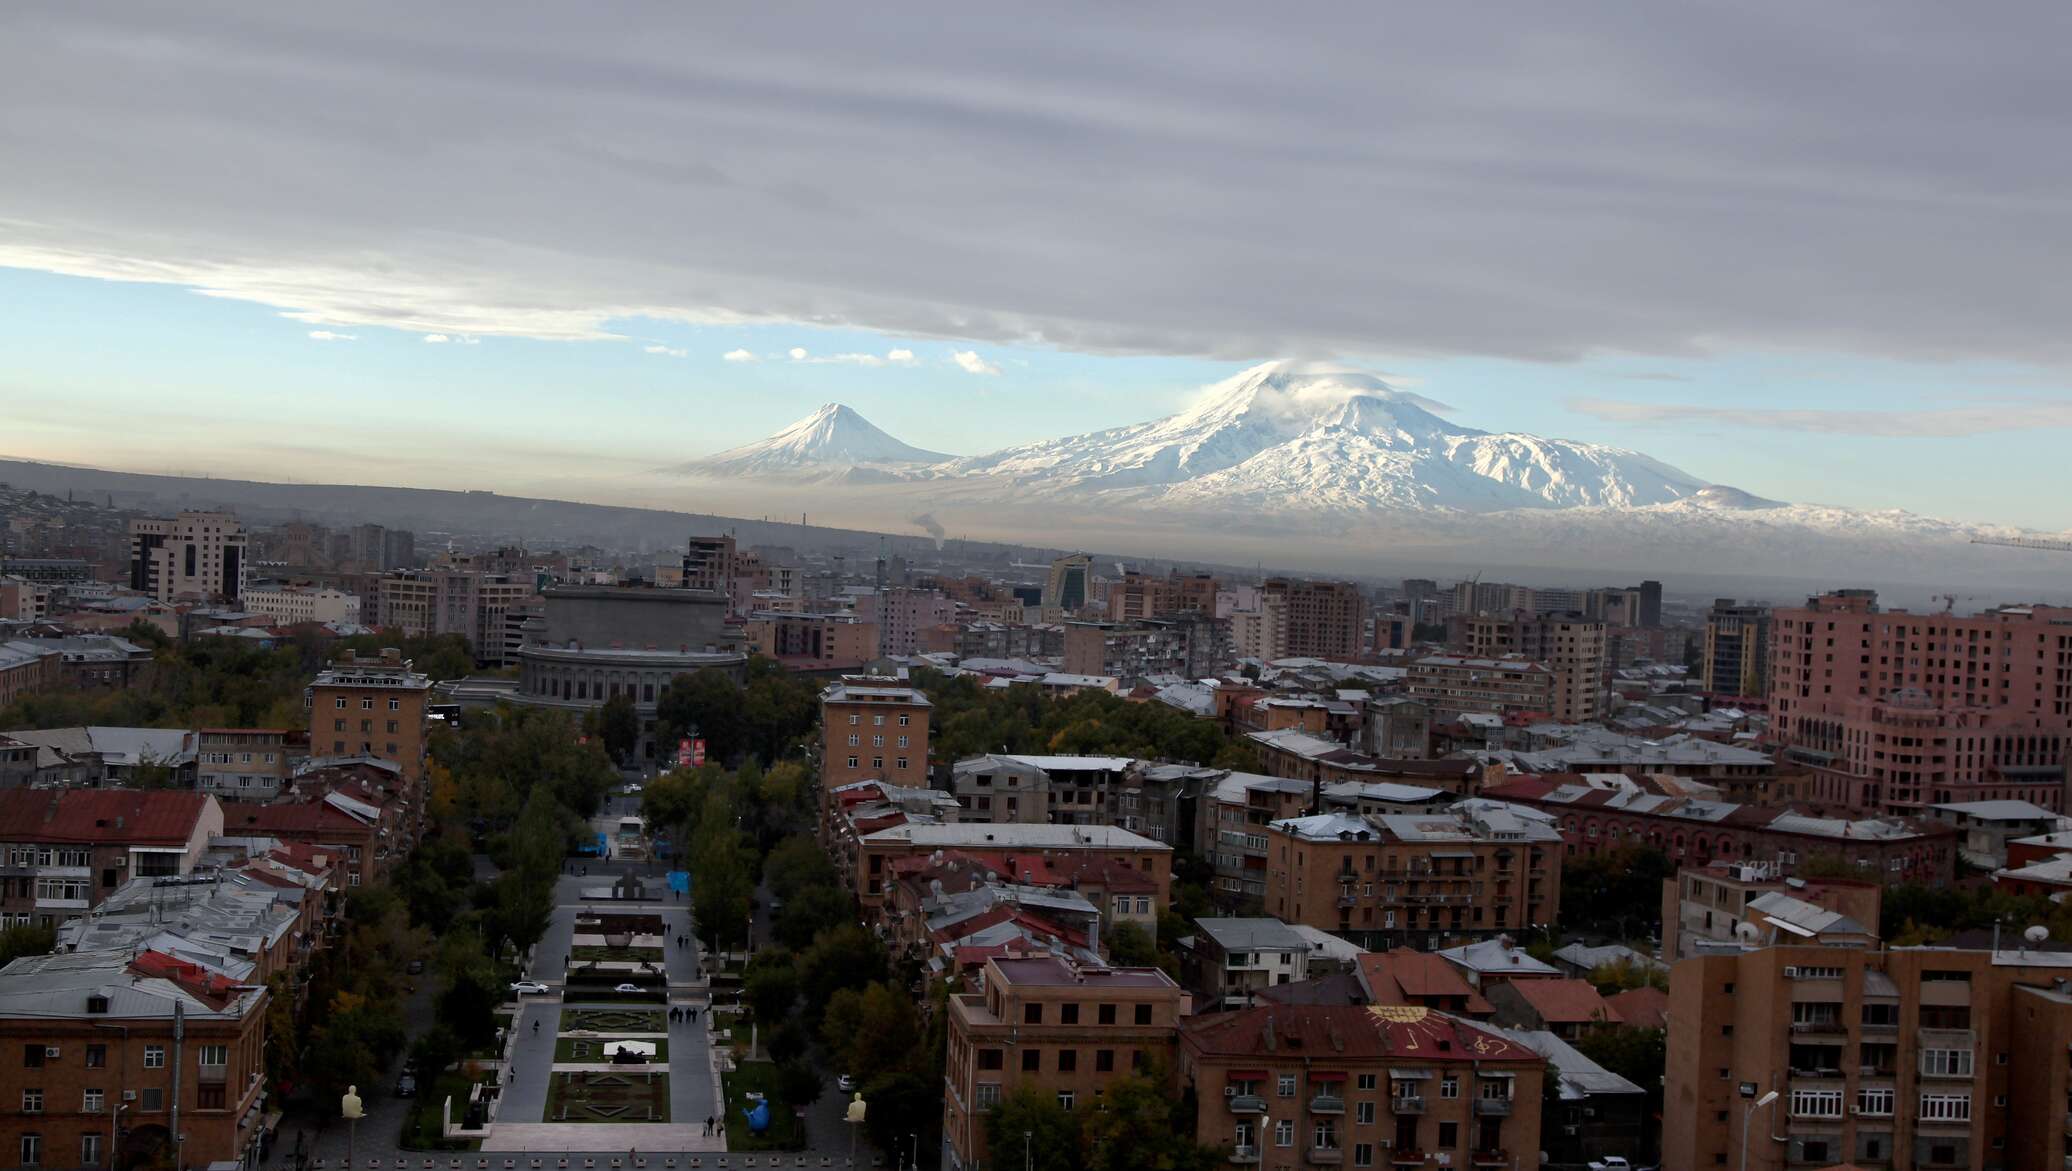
[1149,589]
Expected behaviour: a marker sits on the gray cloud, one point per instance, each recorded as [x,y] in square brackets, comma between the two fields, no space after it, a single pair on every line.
[1936,423]
[1501,179]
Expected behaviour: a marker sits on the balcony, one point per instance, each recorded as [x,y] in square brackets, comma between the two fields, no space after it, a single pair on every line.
[1327,1104]
[1821,1028]
[1490,1158]
[1345,902]
[1407,1104]
[1247,1104]
[1244,1154]
[214,1075]
[1493,1107]
[1327,1154]
[1407,1158]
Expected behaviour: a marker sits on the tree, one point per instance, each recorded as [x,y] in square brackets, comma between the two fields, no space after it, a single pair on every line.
[798,1084]
[434,1050]
[618,725]
[901,1104]
[771,986]
[1138,1126]
[1130,946]
[1622,974]
[1030,1122]
[25,940]
[705,703]
[1616,892]
[812,911]
[847,957]
[1636,1054]
[796,865]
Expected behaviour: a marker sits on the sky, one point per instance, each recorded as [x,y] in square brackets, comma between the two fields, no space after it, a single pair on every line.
[1815,252]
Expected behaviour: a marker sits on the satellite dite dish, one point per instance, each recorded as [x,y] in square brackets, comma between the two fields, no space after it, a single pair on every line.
[2036,934]
[1749,932]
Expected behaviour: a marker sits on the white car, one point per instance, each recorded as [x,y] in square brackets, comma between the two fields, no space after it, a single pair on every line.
[1611,1163]
[628,988]
[530,988]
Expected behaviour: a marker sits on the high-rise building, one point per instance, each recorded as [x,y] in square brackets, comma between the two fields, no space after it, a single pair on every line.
[466,602]
[708,564]
[376,549]
[873,730]
[288,603]
[906,617]
[1896,711]
[1569,645]
[201,554]
[1901,1057]
[1261,633]
[1324,619]
[370,707]
[1070,584]
[1737,648]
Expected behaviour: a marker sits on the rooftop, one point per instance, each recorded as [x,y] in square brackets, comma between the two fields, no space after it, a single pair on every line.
[847,692]
[1405,1033]
[1053,972]
[1497,955]
[1029,837]
[1576,1076]
[119,817]
[1255,934]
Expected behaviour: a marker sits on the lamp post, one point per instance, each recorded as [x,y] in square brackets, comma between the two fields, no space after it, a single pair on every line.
[1028,1153]
[1746,1116]
[349,1109]
[915,1139]
[857,1109]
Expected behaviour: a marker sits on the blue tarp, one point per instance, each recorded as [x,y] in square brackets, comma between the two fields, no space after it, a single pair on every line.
[680,881]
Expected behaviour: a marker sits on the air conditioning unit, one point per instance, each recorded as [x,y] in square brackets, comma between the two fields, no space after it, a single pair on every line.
[1589,1111]
[1230,1091]
[52,1052]
[129,1095]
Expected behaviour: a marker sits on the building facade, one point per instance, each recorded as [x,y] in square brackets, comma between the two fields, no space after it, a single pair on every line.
[1452,686]
[1570,646]
[63,850]
[288,604]
[873,730]
[1321,619]
[1737,648]
[370,707]
[196,554]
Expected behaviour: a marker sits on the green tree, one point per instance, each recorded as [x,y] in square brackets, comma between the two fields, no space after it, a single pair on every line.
[1138,1126]
[1029,1123]
[705,703]
[618,725]
[796,865]
[26,940]
[798,1084]
[809,913]
[1636,1054]
[1130,946]
[847,957]
[771,986]
[434,1050]
[1616,892]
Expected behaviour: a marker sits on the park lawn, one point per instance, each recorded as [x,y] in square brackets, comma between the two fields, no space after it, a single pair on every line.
[421,1123]
[565,1048]
[640,1095]
[613,1022]
[786,1132]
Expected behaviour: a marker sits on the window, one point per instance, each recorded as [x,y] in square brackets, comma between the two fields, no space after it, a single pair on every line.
[392,727]
[32,1101]
[1284,1133]
[32,1150]
[877,762]
[852,760]
[395,705]
[32,1056]
[854,719]
[1449,1135]
[1068,1014]
[1286,1086]
[1066,1098]
[1324,1135]
[878,720]
[1449,1086]
[905,719]
[902,742]
[151,1099]
[154,1057]
[1032,1014]
[89,1150]
[1366,1081]
[1104,1060]
[214,1054]
[1816,1103]
[854,739]
[1945,1108]
[366,703]
[1363,1113]
[1363,1154]
[1032,1060]
[338,725]
[90,1102]
[96,1056]
[989,1059]
[988,1095]
[1107,1014]
[211,1097]
[1945,1063]
[900,763]
[877,742]
[1143,1014]
[339,703]
[1875,1102]
[1068,1061]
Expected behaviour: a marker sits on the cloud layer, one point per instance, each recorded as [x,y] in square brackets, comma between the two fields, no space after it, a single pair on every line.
[1982,418]
[1510,180]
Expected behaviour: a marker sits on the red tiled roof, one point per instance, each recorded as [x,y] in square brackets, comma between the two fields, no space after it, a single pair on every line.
[1411,1034]
[1565,1001]
[291,817]
[217,989]
[1404,976]
[1646,1007]
[116,817]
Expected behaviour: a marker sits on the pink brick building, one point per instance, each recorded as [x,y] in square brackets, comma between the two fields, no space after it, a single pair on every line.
[1896,711]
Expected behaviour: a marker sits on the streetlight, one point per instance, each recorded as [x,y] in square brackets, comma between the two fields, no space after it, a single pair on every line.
[1746,1116]
[916,1140]
[857,1109]
[1028,1155]
[349,1109]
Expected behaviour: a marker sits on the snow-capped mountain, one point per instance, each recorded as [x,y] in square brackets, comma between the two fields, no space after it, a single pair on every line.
[1291,436]
[831,441]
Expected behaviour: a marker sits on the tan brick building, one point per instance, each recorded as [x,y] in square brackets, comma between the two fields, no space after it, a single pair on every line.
[63,850]
[1393,880]
[1283,1087]
[370,707]
[873,730]
[1047,1024]
[88,1050]
[1321,619]
[1927,1057]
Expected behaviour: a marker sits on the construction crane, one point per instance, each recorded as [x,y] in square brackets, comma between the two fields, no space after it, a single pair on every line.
[2043,543]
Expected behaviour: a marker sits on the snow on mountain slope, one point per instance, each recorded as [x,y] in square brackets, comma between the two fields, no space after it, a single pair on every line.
[831,440]
[1290,436]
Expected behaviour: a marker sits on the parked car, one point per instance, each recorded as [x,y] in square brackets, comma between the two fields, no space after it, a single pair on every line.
[414,967]
[628,988]
[1611,1163]
[846,1084]
[530,988]
[406,1086]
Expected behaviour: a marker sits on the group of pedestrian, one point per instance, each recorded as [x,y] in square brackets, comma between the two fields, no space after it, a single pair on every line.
[711,1122]
[683,941]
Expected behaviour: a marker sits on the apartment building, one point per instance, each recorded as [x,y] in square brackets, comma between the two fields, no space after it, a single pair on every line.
[370,707]
[1070,584]
[1284,1087]
[243,763]
[1035,790]
[466,602]
[195,554]
[128,1059]
[1570,646]
[1142,595]
[1902,1057]
[909,621]
[1232,959]
[1053,847]
[1304,756]
[1321,619]
[1236,808]
[1453,686]
[813,642]
[873,729]
[1261,632]
[289,603]
[1477,869]
[1730,903]
[64,849]
[1899,711]
[1737,648]
[1044,1023]
[26,667]
[708,564]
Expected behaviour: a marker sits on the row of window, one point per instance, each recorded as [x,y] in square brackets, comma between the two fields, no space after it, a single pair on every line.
[367,703]
[339,726]
[26,856]
[876,741]
[878,720]
[90,1148]
[154,1057]
[1877,1102]
[879,762]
